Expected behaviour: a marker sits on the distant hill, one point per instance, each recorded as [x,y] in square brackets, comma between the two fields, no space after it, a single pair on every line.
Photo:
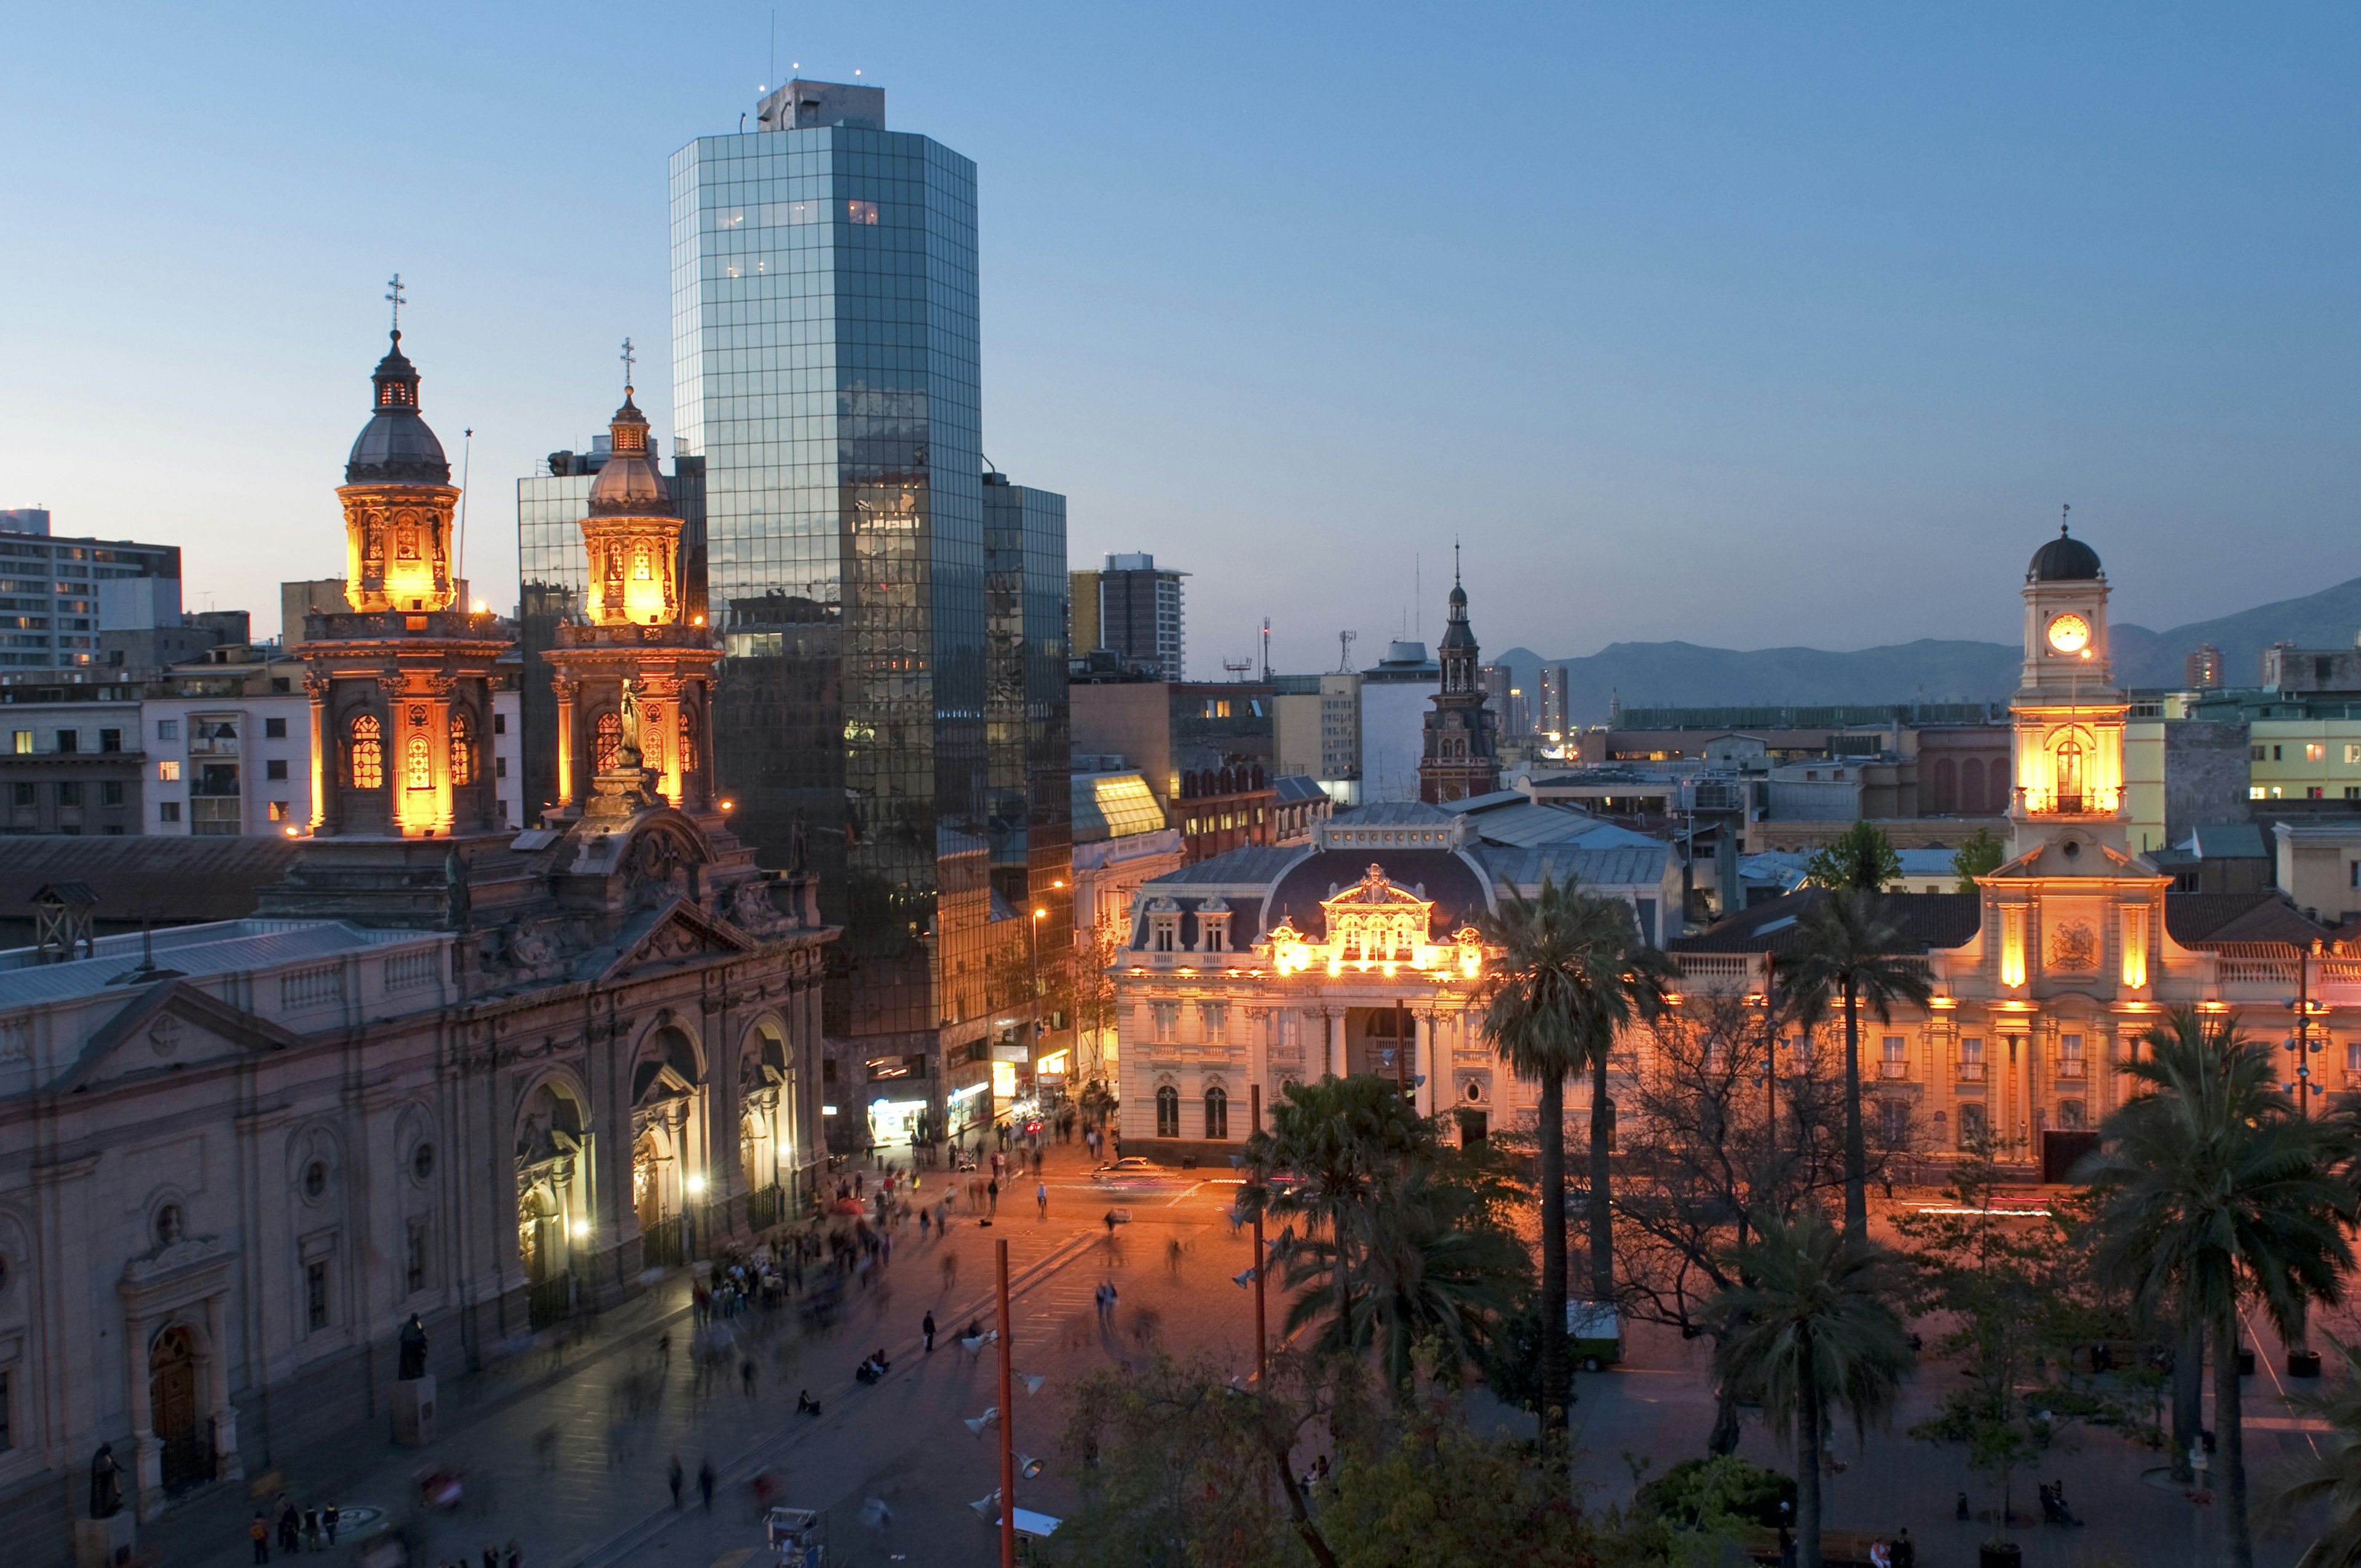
[1683,674]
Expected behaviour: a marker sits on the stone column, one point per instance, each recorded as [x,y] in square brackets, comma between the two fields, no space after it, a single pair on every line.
[147,1451]
[227,1464]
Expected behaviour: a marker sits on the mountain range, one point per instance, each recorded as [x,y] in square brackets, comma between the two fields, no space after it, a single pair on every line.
[1683,674]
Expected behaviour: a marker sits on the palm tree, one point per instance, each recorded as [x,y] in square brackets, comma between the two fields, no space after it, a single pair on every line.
[1426,1267]
[1844,949]
[2213,1193]
[1341,1139]
[1573,973]
[1812,1324]
[2331,1474]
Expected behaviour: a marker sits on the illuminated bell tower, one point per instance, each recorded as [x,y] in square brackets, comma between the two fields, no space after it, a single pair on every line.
[634,684]
[2069,740]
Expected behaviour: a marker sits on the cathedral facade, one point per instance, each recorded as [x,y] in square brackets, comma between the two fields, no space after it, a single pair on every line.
[483,1077]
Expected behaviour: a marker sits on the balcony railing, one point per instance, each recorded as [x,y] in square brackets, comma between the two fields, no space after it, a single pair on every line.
[2086,803]
[1971,1072]
[1894,1069]
[2069,1067]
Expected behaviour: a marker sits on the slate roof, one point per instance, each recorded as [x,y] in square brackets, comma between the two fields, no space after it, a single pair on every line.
[2210,919]
[1393,814]
[1256,864]
[156,878]
[2227,840]
[1457,888]
[1610,866]
[1292,789]
[1925,920]
[228,947]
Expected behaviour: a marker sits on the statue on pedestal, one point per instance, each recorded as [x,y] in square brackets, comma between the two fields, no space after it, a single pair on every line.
[105,1483]
[413,1350]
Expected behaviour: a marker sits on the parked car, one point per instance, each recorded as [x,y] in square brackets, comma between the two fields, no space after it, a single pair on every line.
[1132,1176]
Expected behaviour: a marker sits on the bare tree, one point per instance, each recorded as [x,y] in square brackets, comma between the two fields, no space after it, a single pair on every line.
[1734,1111]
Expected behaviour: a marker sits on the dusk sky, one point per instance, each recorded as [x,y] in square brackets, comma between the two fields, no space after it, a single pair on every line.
[1736,325]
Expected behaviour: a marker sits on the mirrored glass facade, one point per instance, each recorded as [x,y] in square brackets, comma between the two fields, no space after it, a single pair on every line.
[825,371]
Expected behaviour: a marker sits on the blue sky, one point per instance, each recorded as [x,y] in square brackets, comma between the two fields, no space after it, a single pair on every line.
[1739,324]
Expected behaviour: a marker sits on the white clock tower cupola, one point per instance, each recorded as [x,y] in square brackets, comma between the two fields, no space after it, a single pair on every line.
[2068,715]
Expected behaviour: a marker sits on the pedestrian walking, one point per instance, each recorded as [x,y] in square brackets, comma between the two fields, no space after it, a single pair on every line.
[927,1328]
[329,1517]
[1041,1199]
[1905,1552]
[515,1554]
[673,1475]
[705,1482]
[491,1556]
[992,1192]
[290,1539]
[259,1533]
[746,1377]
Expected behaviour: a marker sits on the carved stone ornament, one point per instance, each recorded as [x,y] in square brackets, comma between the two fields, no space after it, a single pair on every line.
[164,1036]
[2073,945]
[172,1257]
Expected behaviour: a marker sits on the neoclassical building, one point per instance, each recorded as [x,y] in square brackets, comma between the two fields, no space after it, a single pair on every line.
[449,1068]
[1357,953]
[2047,976]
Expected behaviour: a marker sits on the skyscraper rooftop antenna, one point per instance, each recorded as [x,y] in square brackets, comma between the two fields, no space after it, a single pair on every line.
[628,359]
[1455,561]
[393,292]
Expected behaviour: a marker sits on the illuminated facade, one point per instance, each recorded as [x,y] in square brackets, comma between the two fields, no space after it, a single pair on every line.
[2046,977]
[634,677]
[1461,758]
[489,1077]
[1355,952]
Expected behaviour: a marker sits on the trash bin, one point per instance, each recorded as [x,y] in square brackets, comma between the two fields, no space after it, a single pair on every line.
[1188,1162]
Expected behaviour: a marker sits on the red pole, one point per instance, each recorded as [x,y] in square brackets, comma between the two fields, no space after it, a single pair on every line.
[1262,1353]
[1007,1428]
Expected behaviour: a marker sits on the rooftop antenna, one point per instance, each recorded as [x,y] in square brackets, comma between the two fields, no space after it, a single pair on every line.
[466,463]
[775,41]
[1418,593]
[1266,649]
[1238,668]
[628,359]
[1344,652]
[393,292]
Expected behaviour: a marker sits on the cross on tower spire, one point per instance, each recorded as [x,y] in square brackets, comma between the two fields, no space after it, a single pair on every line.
[628,360]
[393,292]
[2064,508]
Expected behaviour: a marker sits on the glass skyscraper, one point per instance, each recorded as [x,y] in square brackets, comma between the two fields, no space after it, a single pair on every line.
[825,352]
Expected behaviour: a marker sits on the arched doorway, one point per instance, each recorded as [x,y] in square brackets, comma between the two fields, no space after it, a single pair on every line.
[549,1158]
[172,1383]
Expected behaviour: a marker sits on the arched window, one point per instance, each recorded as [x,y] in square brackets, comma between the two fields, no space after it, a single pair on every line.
[640,570]
[368,752]
[463,750]
[418,763]
[1167,1113]
[2069,775]
[1217,1113]
[606,742]
[652,736]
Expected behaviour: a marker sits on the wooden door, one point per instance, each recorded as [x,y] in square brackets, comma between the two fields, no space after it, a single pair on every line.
[173,1406]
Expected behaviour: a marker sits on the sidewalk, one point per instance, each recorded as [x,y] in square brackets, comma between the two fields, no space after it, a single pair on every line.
[554,1456]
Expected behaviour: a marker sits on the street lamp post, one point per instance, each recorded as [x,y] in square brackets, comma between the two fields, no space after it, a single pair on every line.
[1007,1422]
[1262,1339]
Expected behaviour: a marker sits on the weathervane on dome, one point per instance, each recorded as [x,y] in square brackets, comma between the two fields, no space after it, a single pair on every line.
[393,292]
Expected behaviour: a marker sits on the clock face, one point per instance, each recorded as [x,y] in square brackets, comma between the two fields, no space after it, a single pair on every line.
[2069,634]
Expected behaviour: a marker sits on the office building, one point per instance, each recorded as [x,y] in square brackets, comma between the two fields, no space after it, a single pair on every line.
[1132,609]
[2204,666]
[57,595]
[1027,721]
[825,371]
[1396,693]
[1553,718]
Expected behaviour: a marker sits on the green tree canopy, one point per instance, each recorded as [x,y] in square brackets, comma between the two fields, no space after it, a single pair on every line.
[1980,855]
[1860,860]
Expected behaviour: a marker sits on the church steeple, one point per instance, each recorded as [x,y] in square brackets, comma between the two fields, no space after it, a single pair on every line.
[1460,758]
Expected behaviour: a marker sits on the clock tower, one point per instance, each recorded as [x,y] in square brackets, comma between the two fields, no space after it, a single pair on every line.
[2068,715]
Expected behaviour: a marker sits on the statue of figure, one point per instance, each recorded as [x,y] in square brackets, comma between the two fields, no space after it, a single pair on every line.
[797,846]
[105,1483]
[456,903]
[628,754]
[413,1350]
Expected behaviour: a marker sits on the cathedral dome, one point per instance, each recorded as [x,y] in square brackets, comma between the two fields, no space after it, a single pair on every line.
[627,484]
[396,447]
[2064,560]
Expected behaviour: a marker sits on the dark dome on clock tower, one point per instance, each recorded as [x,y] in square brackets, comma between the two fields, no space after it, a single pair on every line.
[2064,559]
